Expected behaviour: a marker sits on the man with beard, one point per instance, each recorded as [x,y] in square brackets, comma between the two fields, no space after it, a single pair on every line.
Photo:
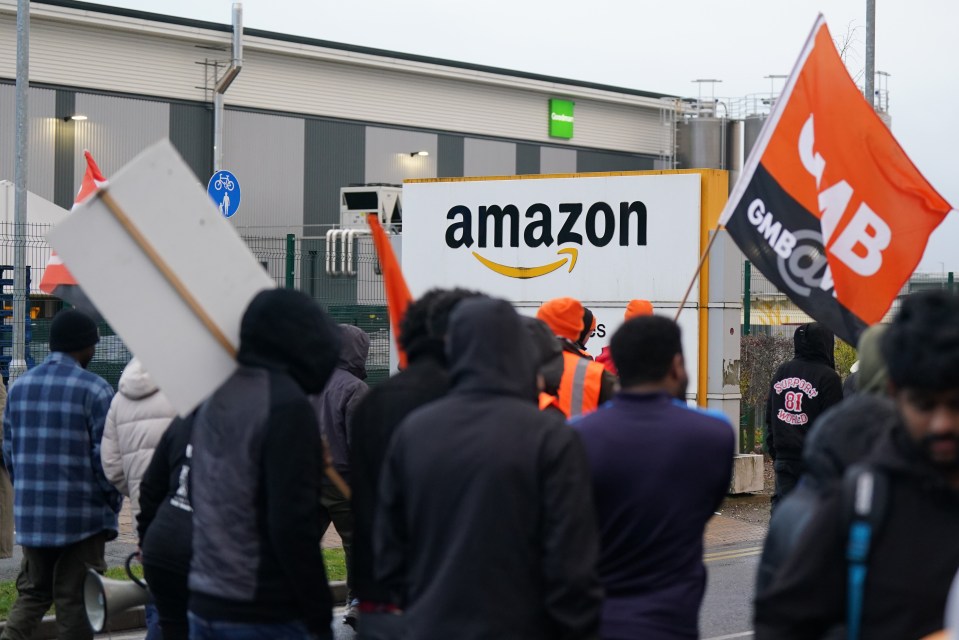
[910,555]
[660,469]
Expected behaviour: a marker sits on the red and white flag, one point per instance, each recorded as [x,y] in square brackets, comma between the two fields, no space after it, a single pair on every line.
[829,207]
[57,280]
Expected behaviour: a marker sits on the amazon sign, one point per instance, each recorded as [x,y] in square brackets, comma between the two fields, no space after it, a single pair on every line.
[596,237]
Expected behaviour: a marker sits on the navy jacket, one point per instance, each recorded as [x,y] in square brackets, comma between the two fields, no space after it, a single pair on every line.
[660,469]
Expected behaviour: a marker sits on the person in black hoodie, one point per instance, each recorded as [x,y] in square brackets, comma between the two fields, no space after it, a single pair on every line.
[165,527]
[801,390]
[912,555]
[843,436]
[256,479]
[425,378]
[335,407]
[485,527]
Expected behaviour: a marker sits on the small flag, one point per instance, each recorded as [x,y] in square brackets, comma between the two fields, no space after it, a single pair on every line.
[398,296]
[57,280]
[829,207]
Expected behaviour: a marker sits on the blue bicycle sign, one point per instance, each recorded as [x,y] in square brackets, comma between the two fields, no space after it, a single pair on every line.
[224,188]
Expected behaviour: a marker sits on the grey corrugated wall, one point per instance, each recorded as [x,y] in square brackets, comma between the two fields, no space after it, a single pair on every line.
[488,158]
[191,132]
[42,136]
[388,156]
[598,161]
[116,131]
[554,160]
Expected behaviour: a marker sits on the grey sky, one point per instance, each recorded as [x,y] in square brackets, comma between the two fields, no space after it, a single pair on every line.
[662,46]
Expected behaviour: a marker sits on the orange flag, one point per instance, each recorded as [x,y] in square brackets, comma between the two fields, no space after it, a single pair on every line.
[828,206]
[398,296]
[57,280]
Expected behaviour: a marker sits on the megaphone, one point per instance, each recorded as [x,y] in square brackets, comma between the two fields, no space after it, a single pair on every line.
[103,597]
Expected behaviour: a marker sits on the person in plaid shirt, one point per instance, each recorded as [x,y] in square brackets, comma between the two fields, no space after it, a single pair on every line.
[64,507]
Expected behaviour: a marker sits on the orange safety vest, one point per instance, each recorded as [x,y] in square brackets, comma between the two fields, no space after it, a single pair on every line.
[580,386]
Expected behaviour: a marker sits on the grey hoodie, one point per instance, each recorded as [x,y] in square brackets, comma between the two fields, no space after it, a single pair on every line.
[337,402]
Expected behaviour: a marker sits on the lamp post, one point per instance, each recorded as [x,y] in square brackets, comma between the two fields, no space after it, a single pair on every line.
[18,362]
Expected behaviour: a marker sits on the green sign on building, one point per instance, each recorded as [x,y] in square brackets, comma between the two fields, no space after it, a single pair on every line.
[561,118]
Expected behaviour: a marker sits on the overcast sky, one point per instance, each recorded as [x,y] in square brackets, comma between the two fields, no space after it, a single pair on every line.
[662,46]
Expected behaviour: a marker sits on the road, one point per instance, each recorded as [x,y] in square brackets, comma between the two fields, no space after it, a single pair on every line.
[727,608]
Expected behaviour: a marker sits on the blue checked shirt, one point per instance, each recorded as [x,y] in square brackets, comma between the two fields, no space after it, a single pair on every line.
[52,428]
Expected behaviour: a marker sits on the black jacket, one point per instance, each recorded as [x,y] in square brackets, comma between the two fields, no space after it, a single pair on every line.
[165,521]
[913,558]
[378,414]
[337,403]
[801,390]
[485,525]
[843,436]
[256,472]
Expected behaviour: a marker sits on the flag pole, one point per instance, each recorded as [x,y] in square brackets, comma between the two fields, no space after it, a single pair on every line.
[699,268]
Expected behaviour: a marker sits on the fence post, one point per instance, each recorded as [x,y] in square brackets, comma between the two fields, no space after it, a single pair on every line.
[747,272]
[290,260]
[950,282]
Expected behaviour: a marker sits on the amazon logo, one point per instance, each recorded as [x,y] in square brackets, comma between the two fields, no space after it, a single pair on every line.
[499,226]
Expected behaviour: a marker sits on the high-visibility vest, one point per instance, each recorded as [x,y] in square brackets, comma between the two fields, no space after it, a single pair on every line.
[546,401]
[581,384]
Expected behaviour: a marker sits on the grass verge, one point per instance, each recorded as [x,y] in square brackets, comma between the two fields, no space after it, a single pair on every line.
[334,559]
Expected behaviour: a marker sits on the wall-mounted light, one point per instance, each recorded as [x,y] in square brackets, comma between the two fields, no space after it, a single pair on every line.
[419,153]
[75,116]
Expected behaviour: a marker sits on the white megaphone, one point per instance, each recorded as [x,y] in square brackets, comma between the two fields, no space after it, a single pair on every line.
[103,597]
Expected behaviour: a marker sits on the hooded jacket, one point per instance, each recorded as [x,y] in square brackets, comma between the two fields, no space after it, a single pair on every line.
[843,436]
[801,390]
[256,469]
[913,558]
[485,526]
[376,418]
[337,403]
[138,416]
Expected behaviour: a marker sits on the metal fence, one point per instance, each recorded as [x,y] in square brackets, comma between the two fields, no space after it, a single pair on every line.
[768,311]
[293,262]
[768,323]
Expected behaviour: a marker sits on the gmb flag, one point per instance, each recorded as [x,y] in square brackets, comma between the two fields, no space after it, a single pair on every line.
[829,207]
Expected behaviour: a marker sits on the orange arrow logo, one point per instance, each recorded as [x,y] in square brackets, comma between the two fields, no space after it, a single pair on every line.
[524,273]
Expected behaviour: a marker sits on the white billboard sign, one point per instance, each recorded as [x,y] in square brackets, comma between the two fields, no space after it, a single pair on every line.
[602,239]
[190,243]
[595,238]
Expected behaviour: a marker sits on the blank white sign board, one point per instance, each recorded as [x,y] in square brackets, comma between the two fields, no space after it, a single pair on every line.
[160,195]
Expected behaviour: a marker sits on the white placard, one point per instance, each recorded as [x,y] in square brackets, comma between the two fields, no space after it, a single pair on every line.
[161,196]
[594,218]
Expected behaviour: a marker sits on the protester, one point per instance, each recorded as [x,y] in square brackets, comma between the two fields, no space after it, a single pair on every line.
[660,469]
[425,378]
[138,416]
[585,385]
[484,528]
[897,540]
[59,406]
[589,326]
[255,480]
[334,407]
[165,527]
[801,390]
[634,309]
[548,355]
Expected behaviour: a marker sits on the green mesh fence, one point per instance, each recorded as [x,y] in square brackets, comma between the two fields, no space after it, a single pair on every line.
[353,298]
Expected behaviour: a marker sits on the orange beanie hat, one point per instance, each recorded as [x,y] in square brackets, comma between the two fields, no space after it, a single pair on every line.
[637,308]
[564,316]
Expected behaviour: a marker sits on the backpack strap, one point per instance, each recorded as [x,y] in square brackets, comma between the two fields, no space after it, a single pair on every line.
[865,493]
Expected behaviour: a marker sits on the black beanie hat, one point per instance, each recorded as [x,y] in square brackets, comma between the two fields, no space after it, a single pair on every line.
[72,331]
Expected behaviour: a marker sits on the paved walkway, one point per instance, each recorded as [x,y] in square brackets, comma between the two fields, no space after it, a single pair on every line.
[724,531]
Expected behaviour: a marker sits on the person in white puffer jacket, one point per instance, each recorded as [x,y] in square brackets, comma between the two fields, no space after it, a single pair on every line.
[138,416]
